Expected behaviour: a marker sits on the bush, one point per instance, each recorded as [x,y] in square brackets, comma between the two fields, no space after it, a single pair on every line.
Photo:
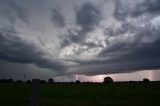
[19,81]
[42,82]
[146,80]
[6,80]
[108,80]
[28,81]
[78,82]
[50,80]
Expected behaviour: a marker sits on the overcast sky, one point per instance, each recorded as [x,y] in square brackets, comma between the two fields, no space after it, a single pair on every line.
[70,39]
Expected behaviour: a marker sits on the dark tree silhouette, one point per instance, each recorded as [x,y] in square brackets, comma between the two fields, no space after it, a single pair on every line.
[42,82]
[19,81]
[28,81]
[10,80]
[50,80]
[78,82]
[6,80]
[146,80]
[108,80]
[132,81]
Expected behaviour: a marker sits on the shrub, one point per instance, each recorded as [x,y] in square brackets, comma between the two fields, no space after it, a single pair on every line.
[42,82]
[146,80]
[50,80]
[108,80]
[78,82]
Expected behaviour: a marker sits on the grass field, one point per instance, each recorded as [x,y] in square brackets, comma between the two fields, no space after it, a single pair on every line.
[116,94]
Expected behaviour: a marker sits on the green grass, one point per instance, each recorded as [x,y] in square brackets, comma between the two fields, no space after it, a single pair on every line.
[116,94]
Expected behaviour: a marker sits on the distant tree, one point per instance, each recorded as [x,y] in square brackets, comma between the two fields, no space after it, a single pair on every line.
[42,82]
[78,82]
[10,80]
[19,81]
[132,81]
[71,82]
[2,80]
[28,81]
[50,80]
[146,80]
[108,80]
[6,80]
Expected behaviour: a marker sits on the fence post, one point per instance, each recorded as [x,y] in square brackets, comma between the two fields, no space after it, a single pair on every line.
[35,86]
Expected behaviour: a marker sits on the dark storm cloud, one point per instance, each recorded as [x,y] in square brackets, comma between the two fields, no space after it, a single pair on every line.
[12,10]
[17,71]
[148,6]
[124,57]
[15,49]
[91,45]
[141,35]
[122,11]
[20,11]
[57,18]
[141,58]
[88,16]
[125,27]
[130,45]
[144,57]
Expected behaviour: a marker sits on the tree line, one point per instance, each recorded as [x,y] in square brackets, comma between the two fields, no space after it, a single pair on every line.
[51,80]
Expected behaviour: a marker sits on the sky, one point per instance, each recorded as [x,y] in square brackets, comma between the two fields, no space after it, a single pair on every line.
[83,40]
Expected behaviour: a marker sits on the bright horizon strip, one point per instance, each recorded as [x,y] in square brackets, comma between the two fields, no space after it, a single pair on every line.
[135,76]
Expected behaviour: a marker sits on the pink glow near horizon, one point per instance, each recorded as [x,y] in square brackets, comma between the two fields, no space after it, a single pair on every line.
[135,76]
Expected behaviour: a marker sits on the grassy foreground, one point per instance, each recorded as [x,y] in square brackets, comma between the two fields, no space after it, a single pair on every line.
[116,94]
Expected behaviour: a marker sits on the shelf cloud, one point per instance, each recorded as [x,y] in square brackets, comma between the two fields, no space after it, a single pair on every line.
[82,37]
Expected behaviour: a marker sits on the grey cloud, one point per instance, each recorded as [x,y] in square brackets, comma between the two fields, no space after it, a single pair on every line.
[12,9]
[121,55]
[139,10]
[145,57]
[20,11]
[125,27]
[88,16]
[122,11]
[92,44]
[140,35]
[70,38]
[15,49]
[140,58]
[17,71]
[148,6]
[57,18]
[153,5]
[124,57]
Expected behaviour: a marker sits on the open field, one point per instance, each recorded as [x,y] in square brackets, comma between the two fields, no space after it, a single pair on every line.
[116,94]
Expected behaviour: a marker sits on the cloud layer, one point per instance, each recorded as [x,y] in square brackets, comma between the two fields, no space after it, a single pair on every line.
[82,37]
[15,49]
